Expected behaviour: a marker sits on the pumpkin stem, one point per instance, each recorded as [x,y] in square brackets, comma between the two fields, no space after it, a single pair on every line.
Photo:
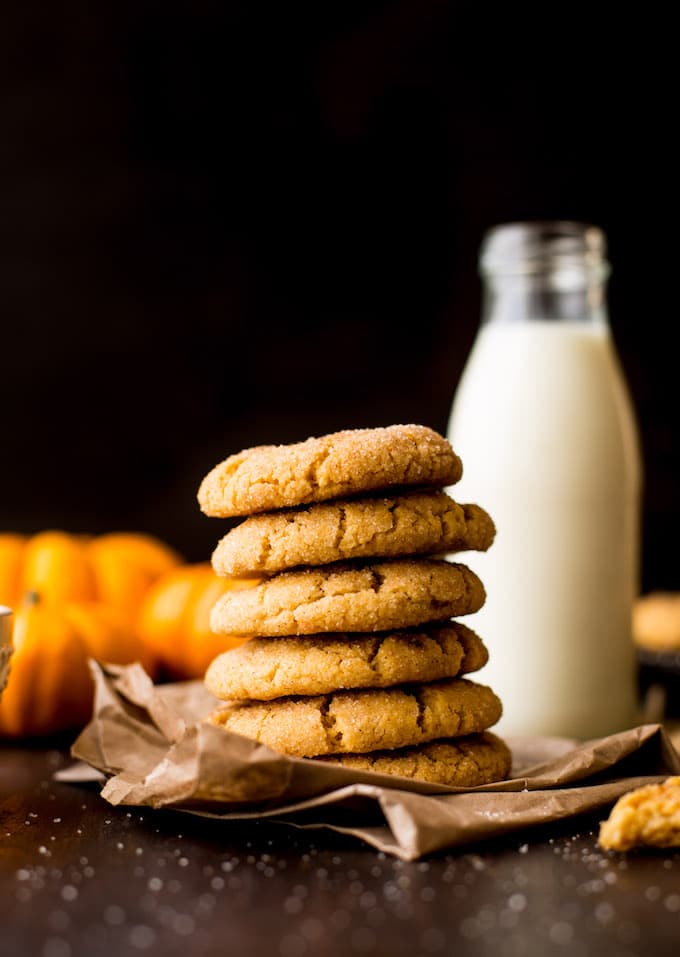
[31,598]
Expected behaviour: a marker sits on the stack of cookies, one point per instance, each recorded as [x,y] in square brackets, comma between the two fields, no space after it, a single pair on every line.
[353,654]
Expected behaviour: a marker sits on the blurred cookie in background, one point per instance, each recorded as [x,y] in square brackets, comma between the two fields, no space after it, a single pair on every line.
[656,635]
[656,621]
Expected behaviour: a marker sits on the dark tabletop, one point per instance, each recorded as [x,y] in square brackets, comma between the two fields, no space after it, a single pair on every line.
[80,878]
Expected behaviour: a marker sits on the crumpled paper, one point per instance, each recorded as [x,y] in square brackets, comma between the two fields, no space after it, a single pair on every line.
[149,746]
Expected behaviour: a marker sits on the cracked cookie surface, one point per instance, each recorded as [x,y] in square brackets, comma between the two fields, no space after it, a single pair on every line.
[416,523]
[266,668]
[646,816]
[463,762]
[379,596]
[365,720]
[337,465]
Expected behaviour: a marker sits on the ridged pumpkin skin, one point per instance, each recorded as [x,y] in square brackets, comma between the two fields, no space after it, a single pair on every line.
[12,548]
[56,567]
[73,597]
[174,619]
[49,688]
[116,568]
[125,565]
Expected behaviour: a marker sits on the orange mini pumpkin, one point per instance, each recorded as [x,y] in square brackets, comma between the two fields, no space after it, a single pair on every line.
[55,566]
[49,687]
[12,548]
[116,568]
[125,565]
[174,619]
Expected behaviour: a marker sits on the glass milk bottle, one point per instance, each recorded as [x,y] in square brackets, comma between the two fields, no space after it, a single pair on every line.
[544,424]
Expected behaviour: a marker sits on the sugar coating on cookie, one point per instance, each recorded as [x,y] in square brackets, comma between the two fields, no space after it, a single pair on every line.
[365,720]
[266,668]
[421,522]
[378,596]
[646,816]
[465,762]
[337,465]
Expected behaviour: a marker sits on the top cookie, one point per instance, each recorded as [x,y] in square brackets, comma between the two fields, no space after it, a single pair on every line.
[415,523]
[337,465]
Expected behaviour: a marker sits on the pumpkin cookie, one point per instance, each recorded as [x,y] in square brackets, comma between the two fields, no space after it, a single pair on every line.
[416,523]
[366,720]
[656,621]
[376,597]
[337,465]
[266,668]
[646,816]
[463,762]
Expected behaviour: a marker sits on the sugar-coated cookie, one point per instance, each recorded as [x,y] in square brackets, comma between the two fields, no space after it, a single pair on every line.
[416,523]
[337,465]
[646,816]
[366,720]
[266,668]
[379,596]
[463,762]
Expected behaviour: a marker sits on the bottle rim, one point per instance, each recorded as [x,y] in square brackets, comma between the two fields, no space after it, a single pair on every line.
[543,246]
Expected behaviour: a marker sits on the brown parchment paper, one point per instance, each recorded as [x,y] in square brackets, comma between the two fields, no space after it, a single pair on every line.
[148,746]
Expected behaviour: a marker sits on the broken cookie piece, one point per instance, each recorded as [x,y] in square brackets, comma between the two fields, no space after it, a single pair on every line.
[648,816]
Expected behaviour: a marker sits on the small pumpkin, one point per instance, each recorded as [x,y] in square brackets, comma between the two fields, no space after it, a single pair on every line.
[50,687]
[116,568]
[55,566]
[174,619]
[12,549]
[125,565]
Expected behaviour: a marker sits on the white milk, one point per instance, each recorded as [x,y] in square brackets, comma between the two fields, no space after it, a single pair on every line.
[545,429]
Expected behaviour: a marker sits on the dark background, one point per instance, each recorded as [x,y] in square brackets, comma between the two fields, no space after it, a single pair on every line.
[233,223]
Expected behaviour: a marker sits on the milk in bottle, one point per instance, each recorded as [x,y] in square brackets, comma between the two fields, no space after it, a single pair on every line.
[544,424]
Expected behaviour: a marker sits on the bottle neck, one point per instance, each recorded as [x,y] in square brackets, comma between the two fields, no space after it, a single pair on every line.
[554,270]
[553,296]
